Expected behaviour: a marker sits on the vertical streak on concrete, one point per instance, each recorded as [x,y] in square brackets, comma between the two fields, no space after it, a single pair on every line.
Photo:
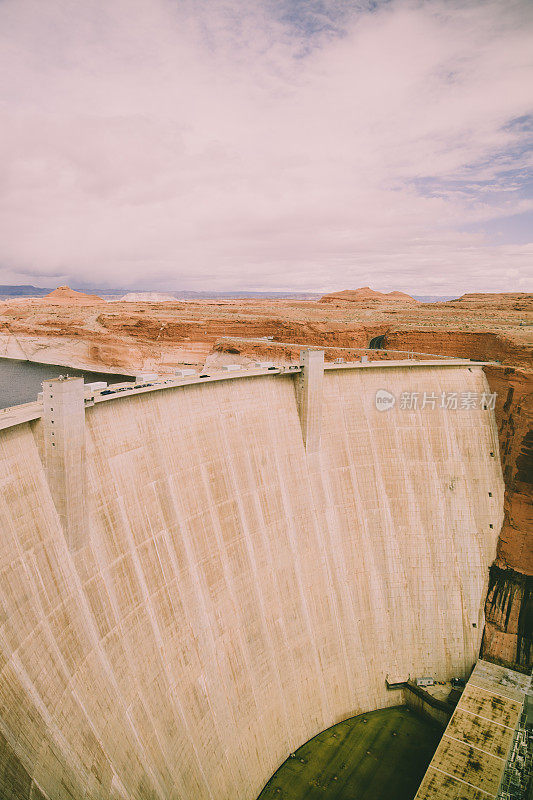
[309,397]
[64,448]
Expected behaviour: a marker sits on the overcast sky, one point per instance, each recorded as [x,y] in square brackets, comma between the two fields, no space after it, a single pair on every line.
[267,144]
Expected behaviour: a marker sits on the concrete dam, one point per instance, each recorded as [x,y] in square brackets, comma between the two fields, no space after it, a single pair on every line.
[198,577]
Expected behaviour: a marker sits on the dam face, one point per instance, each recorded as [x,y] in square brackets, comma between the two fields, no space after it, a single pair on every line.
[232,593]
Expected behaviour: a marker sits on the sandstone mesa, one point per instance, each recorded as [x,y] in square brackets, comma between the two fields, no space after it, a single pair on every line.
[366,295]
[64,295]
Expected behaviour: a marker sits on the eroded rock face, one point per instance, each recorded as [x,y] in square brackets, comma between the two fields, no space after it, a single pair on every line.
[509,607]
[519,301]
[509,617]
[514,388]
[478,343]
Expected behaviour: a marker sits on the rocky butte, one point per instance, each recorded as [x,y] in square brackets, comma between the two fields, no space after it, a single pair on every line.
[200,575]
[365,295]
[63,295]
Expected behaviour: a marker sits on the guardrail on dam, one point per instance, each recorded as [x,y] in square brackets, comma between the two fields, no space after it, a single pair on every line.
[195,579]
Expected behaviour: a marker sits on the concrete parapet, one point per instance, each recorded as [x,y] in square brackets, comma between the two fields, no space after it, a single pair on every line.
[64,449]
[309,397]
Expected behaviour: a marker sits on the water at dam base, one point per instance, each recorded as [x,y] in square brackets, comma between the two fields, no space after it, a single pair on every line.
[382,755]
[20,381]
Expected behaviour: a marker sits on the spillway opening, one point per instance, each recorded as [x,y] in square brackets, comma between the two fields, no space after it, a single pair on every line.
[382,755]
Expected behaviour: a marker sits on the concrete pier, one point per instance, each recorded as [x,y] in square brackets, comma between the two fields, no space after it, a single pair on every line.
[64,448]
[309,397]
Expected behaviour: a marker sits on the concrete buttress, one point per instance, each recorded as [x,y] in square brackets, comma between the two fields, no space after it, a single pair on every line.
[64,448]
[309,397]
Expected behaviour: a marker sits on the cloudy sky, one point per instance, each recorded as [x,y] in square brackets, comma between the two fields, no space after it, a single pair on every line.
[267,144]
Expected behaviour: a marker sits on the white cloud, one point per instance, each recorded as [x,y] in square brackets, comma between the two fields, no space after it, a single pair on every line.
[222,145]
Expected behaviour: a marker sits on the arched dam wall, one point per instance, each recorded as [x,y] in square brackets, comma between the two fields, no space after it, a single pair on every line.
[230,593]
